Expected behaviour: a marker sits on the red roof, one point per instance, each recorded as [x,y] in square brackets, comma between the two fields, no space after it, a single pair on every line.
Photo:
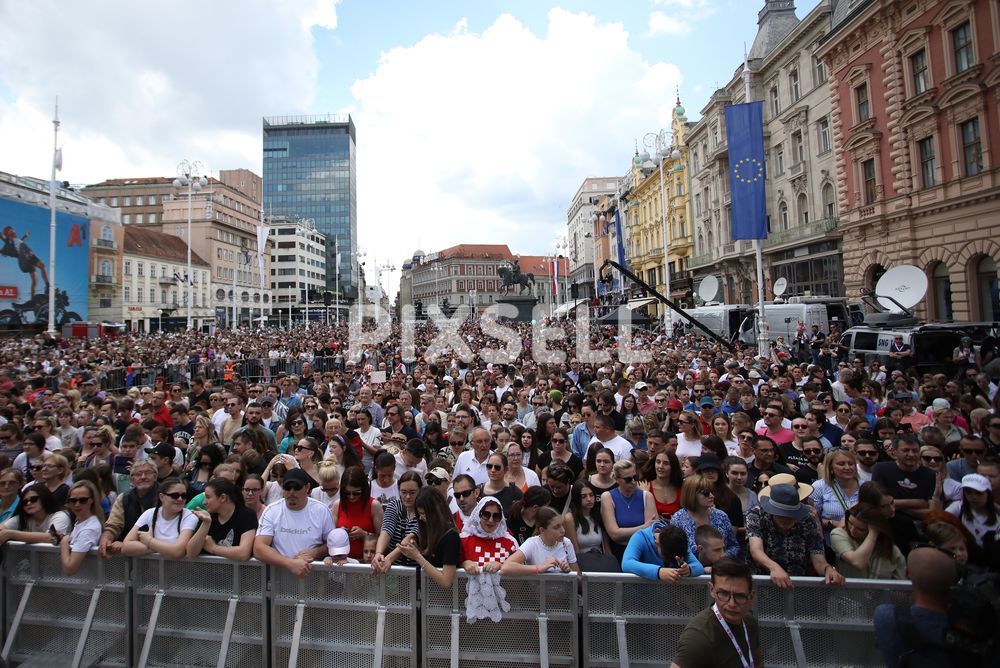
[473,251]
[141,240]
[541,265]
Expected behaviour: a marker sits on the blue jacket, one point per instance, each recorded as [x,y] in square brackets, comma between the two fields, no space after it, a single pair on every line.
[642,559]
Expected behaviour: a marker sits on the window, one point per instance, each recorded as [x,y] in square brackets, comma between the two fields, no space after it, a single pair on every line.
[779,160]
[139,269]
[138,200]
[138,219]
[126,201]
[783,215]
[138,296]
[861,102]
[925,150]
[972,153]
[695,162]
[793,83]
[152,217]
[803,205]
[697,204]
[829,201]
[823,134]
[961,44]
[126,219]
[798,148]
[114,201]
[128,268]
[871,184]
[775,104]
[918,66]
[819,71]
[128,294]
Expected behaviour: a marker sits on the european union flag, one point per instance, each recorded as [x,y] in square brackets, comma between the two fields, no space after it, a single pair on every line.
[745,132]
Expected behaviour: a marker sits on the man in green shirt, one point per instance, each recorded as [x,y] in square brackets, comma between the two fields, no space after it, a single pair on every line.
[725,635]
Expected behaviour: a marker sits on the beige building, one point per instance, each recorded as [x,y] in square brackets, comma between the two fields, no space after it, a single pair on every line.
[154,293]
[226,215]
[580,240]
[803,243]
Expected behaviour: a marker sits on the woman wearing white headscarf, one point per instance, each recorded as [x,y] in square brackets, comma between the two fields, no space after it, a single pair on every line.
[486,542]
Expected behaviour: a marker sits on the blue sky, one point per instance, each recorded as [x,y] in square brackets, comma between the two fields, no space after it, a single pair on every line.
[476,121]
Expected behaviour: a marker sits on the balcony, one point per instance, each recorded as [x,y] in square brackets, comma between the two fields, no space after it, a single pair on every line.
[702,260]
[800,233]
[106,245]
[103,279]
[167,280]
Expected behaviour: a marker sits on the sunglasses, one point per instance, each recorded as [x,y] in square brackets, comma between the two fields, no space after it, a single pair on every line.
[870,453]
[431,480]
[628,479]
[30,499]
[932,458]
[176,496]
[300,448]
[351,493]
[74,500]
[706,493]
[251,490]
[771,414]
[292,486]
[298,422]
[685,422]
[813,451]
[800,426]
[462,495]
[558,440]
[487,515]
[494,467]
[456,442]
[843,410]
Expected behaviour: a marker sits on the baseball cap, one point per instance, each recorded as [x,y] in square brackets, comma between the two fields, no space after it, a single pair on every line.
[295,475]
[902,396]
[398,437]
[338,542]
[708,462]
[641,386]
[674,405]
[754,374]
[707,401]
[940,403]
[977,482]
[161,450]
[439,473]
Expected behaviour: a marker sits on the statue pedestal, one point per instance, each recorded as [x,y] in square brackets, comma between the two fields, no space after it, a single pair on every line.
[524,306]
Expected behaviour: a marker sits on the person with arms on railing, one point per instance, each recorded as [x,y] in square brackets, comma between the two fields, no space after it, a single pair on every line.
[436,548]
[129,506]
[398,521]
[292,533]
[227,526]
[724,635]
[661,552]
[39,518]
[548,551]
[785,539]
[486,543]
[585,531]
[84,505]
[356,510]
[166,528]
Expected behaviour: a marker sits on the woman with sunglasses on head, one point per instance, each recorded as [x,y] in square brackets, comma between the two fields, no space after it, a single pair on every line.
[227,526]
[626,509]
[497,485]
[698,509]
[37,516]
[88,520]
[561,454]
[486,542]
[166,528]
[356,510]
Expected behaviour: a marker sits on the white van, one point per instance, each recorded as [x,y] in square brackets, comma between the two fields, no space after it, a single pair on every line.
[723,319]
[932,344]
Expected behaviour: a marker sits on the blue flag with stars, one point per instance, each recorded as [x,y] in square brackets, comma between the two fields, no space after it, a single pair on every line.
[745,134]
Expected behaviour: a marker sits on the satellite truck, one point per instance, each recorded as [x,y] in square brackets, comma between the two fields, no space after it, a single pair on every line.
[737,322]
[891,302]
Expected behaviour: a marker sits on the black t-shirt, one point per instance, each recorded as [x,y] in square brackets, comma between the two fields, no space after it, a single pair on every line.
[507,496]
[574,463]
[447,552]
[900,484]
[793,456]
[520,530]
[228,534]
[194,398]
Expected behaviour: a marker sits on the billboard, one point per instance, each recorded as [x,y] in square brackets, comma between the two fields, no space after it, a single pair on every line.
[25,265]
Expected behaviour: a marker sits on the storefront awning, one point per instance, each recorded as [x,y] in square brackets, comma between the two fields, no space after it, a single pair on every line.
[568,307]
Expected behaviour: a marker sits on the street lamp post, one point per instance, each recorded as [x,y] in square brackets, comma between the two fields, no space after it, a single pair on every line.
[662,150]
[189,175]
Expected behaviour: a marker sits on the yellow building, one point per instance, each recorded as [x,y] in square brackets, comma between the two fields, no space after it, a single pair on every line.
[646,200]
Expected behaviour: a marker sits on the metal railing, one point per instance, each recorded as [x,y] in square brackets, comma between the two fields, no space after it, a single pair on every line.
[209,611]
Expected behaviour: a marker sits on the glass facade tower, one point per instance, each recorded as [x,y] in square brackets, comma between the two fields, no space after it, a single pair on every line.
[310,172]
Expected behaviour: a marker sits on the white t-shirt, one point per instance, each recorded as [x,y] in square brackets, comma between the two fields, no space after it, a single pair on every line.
[978,526]
[293,531]
[401,467]
[86,535]
[536,552]
[469,465]
[688,447]
[53,443]
[383,494]
[166,530]
[618,445]
[324,498]
[58,519]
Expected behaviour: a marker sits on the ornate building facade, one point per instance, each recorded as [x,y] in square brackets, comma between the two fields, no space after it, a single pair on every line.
[916,89]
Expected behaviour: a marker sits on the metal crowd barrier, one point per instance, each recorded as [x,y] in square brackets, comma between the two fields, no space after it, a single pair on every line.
[207,612]
[629,621]
[79,620]
[541,628]
[213,612]
[342,616]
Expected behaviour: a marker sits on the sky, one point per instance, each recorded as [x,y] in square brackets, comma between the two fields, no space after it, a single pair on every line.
[476,121]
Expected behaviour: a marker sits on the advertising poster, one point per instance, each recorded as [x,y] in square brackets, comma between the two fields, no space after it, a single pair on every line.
[25,265]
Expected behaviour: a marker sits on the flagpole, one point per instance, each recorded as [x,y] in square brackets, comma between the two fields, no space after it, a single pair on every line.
[336,268]
[758,252]
[56,158]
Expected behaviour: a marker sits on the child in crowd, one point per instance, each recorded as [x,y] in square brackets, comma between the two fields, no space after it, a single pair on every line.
[368,552]
[710,546]
[338,543]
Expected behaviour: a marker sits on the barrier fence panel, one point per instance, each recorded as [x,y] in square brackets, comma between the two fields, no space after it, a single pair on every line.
[207,611]
[343,616]
[65,620]
[541,628]
[629,621]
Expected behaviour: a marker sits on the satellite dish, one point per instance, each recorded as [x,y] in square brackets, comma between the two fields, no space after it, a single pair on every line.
[708,288]
[780,286]
[905,284]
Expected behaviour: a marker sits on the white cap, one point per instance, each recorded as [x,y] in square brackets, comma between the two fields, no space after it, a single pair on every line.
[338,542]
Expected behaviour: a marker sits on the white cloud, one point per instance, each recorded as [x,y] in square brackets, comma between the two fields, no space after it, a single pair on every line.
[680,17]
[484,138]
[143,86]
[662,24]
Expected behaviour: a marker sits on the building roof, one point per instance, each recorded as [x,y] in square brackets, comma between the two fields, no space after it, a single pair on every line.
[541,265]
[144,241]
[774,22]
[474,251]
[149,181]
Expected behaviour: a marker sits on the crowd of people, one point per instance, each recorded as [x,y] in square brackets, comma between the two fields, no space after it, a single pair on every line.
[662,468]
